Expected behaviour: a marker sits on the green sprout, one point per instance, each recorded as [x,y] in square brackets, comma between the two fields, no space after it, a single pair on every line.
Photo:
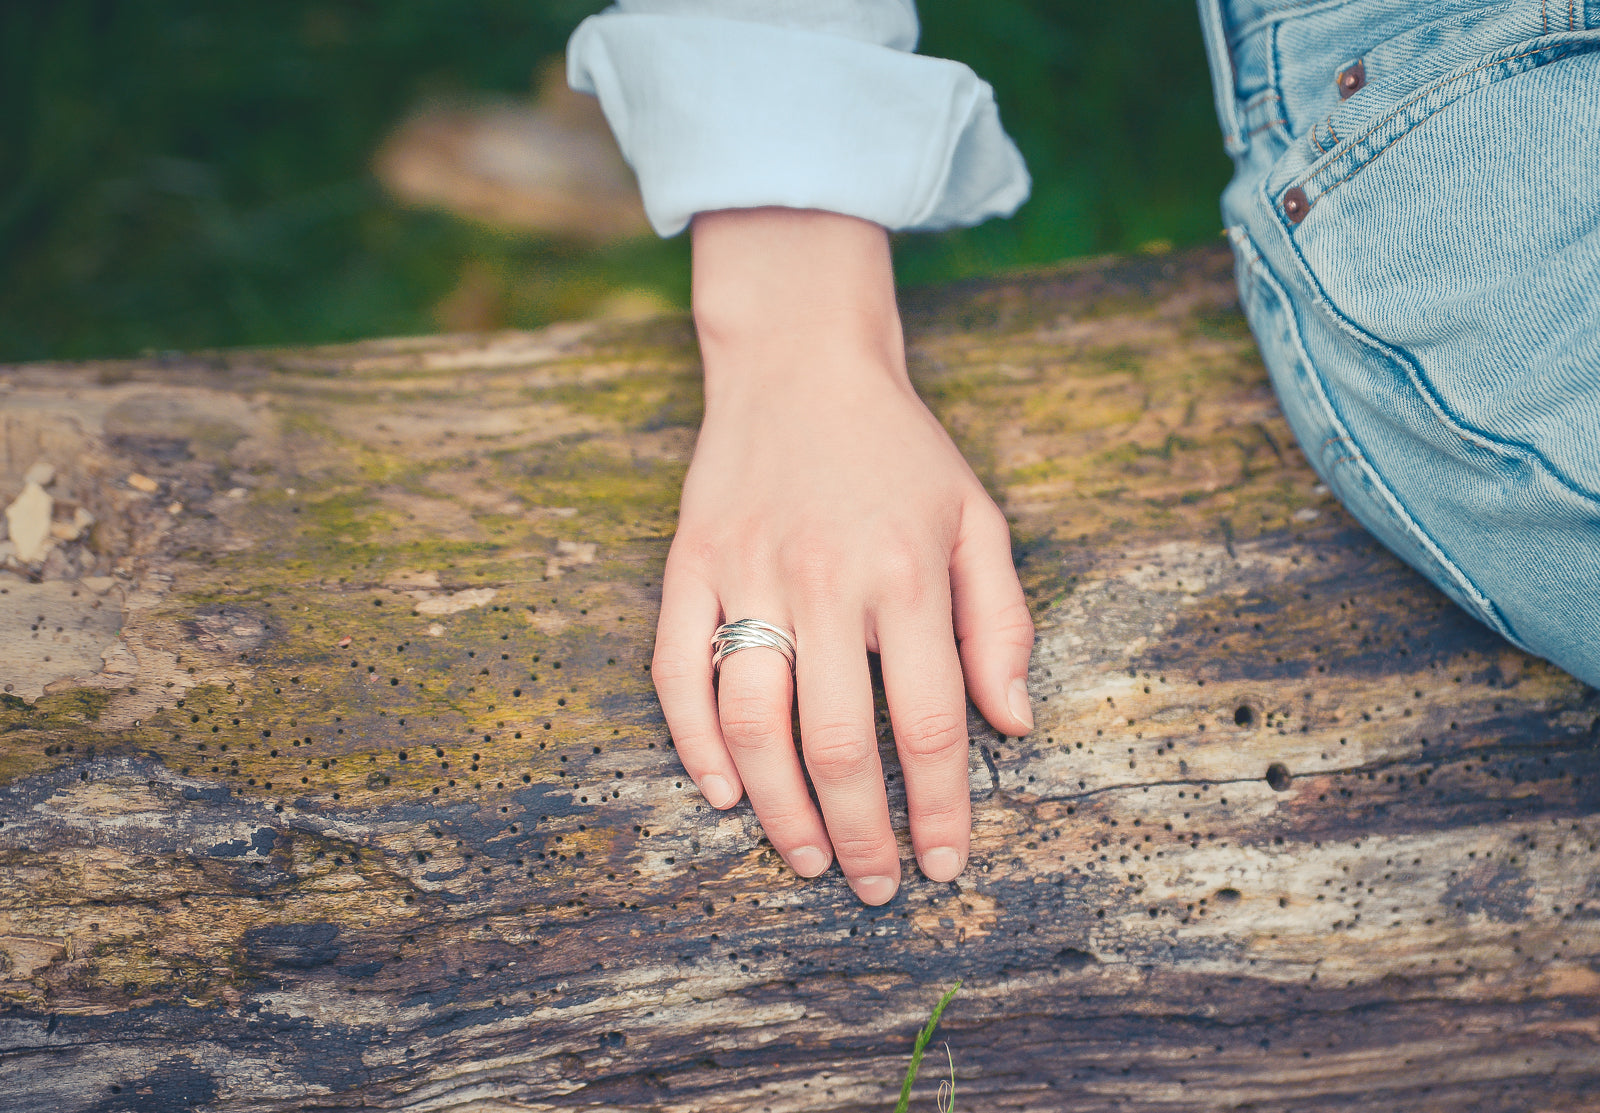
[916,1059]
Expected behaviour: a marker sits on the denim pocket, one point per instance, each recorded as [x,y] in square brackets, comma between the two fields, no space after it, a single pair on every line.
[1383,117]
[1466,246]
[1380,50]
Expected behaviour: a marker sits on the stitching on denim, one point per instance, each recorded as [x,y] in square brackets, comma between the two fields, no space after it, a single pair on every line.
[1423,96]
[1254,101]
[1268,124]
[1544,13]
[1317,139]
[1485,604]
[1245,247]
[1274,70]
[1572,15]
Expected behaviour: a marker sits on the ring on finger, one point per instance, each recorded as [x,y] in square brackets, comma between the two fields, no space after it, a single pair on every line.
[750,633]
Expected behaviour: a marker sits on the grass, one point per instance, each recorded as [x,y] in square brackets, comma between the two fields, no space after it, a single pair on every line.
[918,1048]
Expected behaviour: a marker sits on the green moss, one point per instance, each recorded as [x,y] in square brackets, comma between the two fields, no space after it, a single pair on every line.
[641,401]
[64,710]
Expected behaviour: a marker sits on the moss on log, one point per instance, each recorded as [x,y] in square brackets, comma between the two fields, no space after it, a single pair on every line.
[346,785]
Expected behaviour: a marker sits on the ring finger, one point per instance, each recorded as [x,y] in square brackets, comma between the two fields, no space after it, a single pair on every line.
[754,694]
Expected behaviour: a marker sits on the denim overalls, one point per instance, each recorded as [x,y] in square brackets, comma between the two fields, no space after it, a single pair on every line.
[1415,216]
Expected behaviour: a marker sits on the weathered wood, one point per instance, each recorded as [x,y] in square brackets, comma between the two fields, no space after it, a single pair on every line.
[1293,832]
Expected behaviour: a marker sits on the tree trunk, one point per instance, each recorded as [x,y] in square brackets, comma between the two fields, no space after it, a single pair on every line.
[345,783]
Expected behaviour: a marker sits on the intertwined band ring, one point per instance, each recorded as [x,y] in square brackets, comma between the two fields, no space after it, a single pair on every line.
[749,633]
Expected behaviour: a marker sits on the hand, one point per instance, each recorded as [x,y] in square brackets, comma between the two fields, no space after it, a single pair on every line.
[826,499]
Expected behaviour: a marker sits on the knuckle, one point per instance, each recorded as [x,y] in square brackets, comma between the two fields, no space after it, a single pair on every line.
[668,667]
[1012,623]
[693,553]
[941,811]
[904,575]
[838,753]
[744,735]
[785,823]
[931,733]
[748,721]
[900,557]
[989,518]
[694,746]
[863,846]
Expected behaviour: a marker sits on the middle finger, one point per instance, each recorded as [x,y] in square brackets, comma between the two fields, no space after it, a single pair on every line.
[840,742]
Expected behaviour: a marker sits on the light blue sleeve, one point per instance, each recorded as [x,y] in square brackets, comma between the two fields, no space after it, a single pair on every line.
[810,104]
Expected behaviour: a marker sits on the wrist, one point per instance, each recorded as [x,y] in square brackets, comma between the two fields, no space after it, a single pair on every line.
[786,293]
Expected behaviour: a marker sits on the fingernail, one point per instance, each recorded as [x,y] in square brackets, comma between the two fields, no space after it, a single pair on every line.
[874,890]
[1017,698]
[717,791]
[808,861]
[941,863]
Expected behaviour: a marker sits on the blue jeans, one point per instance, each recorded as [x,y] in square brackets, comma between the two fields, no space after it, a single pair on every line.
[1415,217]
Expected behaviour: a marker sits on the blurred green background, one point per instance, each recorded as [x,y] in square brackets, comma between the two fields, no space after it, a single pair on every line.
[179,174]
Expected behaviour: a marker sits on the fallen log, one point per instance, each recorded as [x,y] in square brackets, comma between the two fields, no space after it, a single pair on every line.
[331,773]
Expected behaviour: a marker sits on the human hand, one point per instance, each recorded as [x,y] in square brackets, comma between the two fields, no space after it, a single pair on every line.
[824,498]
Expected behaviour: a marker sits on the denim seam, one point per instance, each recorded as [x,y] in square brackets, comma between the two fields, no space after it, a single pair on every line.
[1484,604]
[1274,64]
[1579,47]
[1224,74]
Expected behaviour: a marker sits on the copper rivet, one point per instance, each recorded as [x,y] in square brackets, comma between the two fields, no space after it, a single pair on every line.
[1295,204]
[1352,80]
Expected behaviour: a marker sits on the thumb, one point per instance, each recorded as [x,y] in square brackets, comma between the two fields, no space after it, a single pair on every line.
[993,627]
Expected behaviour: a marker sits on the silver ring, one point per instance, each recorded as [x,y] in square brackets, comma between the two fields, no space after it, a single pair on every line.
[749,633]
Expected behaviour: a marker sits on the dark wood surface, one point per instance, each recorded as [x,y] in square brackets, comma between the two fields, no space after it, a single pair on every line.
[1293,832]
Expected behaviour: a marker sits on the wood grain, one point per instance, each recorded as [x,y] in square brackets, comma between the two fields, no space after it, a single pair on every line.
[1293,832]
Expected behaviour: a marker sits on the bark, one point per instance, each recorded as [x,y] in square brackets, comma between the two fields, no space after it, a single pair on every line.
[361,796]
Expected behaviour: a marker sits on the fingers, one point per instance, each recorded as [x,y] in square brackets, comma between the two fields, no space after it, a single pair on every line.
[736,735]
[841,751]
[928,708]
[681,668]
[753,701]
[992,623]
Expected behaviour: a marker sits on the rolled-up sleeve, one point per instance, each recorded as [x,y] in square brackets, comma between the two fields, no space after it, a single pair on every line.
[813,104]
